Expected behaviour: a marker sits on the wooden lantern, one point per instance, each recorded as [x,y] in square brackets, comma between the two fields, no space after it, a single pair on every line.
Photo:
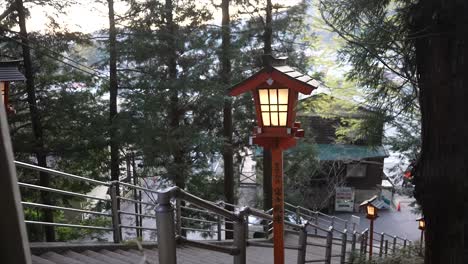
[421,224]
[275,92]
[370,209]
[8,73]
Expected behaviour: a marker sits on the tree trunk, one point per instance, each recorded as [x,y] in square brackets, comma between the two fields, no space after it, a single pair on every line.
[178,170]
[441,53]
[113,90]
[175,113]
[267,35]
[227,113]
[267,39]
[39,150]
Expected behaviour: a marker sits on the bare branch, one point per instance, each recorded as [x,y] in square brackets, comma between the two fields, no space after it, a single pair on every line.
[7,12]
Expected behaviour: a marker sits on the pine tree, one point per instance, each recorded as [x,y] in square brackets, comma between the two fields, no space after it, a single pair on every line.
[228,155]
[172,100]
[411,58]
[113,91]
[35,118]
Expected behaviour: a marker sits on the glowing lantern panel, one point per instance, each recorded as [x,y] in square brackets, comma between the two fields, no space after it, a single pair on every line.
[3,91]
[274,106]
[422,224]
[371,210]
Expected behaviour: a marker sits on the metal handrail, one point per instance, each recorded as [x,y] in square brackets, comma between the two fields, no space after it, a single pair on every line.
[198,220]
[142,215]
[239,218]
[59,173]
[64,208]
[136,187]
[138,227]
[180,194]
[199,229]
[68,225]
[315,212]
[195,209]
[134,201]
[48,189]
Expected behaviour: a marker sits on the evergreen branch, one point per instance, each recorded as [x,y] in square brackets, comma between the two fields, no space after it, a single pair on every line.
[7,12]
[351,39]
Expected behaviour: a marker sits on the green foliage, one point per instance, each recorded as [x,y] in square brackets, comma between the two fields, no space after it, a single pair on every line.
[410,255]
[69,234]
[300,165]
[73,106]
[356,125]
[379,45]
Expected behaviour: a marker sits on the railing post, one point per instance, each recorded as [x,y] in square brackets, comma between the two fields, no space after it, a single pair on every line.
[301,254]
[298,215]
[246,228]
[316,222]
[266,229]
[333,221]
[366,236]
[166,229]
[344,240]
[386,247]
[382,238]
[178,221]
[218,226]
[328,249]
[362,247]
[353,247]
[394,245]
[115,213]
[240,241]
[404,246]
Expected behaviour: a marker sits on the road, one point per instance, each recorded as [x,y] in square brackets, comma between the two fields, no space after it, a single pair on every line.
[400,223]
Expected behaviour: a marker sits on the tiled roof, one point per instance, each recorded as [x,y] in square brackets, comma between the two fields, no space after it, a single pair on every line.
[349,152]
[9,71]
[283,74]
[323,129]
[293,73]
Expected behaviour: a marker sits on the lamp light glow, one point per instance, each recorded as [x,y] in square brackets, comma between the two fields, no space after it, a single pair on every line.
[2,91]
[370,210]
[275,93]
[421,223]
[274,106]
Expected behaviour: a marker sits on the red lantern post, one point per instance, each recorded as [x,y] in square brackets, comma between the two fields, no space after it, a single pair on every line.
[371,214]
[275,91]
[422,227]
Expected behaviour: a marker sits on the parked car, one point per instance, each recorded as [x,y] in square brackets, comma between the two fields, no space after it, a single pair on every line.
[257,225]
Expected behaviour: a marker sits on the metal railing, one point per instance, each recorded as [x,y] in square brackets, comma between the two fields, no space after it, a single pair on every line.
[172,215]
[118,194]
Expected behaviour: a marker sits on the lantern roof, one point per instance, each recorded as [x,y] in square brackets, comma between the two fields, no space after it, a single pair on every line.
[284,74]
[421,218]
[9,71]
[369,201]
